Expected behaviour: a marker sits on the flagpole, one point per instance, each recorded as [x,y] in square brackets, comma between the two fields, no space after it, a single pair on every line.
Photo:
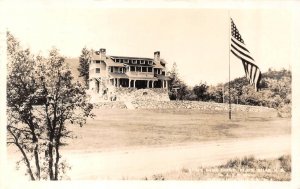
[229,94]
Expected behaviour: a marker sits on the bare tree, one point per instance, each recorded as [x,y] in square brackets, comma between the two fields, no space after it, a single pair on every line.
[43,101]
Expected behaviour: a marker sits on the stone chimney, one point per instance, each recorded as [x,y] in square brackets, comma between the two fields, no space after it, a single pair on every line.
[102,53]
[156,56]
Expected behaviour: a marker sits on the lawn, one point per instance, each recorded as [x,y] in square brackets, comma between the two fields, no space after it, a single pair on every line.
[115,128]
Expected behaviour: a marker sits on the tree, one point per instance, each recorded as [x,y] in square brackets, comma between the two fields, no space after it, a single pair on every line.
[216,93]
[84,61]
[178,88]
[42,102]
[200,91]
[250,96]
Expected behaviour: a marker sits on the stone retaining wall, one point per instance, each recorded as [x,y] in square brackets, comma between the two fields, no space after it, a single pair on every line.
[209,106]
[206,106]
[110,105]
[129,94]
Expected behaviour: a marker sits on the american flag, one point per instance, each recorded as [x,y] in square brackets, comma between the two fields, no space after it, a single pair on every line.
[239,49]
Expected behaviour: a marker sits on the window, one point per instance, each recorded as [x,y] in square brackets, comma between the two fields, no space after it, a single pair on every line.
[132,68]
[138,61]
[122,60]
[97,61]
[149,69]
[138,69]
[133,61]
[130,61]
[142,61]
[97,70]
[163,73]
[144,69]
[125,60]
[150,62]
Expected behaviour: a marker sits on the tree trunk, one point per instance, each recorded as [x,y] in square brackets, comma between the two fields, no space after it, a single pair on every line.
[56,162]
[50,167]
[37,162]
[27,161]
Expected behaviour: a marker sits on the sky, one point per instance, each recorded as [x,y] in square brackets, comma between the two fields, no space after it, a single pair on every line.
[197,39]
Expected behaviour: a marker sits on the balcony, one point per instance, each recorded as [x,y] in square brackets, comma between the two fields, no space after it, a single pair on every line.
[140,74]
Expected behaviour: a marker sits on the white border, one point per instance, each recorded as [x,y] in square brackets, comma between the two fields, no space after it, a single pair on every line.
[290,5]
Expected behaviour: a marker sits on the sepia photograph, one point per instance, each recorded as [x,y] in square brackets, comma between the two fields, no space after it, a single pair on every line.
[121,93]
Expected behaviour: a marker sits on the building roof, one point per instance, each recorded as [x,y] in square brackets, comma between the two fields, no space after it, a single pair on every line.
[128,57]
[110,62]
[158,66]
[95,56]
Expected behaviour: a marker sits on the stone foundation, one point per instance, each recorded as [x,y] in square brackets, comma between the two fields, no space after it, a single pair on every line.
[205,106]
[130,94]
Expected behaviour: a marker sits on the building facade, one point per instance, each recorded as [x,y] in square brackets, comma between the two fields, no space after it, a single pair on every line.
[109,72]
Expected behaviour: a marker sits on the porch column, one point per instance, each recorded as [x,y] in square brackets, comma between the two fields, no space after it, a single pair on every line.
[95,85]
[167,84]
[98,87]
[134,83]
[118,82]
[163,83]
[129,82]
[148,83]
[152,83]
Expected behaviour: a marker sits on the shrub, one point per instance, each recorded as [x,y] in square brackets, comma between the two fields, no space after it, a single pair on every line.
[285,162]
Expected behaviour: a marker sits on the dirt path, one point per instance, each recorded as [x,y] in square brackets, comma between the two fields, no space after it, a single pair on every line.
[137,163]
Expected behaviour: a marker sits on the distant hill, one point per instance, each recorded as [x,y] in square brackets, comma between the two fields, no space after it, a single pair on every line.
[73,64]
[275,90]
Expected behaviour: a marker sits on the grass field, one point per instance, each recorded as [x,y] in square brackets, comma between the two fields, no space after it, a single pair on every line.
[171,144]
[114,128]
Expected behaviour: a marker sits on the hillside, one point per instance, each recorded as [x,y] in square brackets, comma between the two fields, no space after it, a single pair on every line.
[73,64]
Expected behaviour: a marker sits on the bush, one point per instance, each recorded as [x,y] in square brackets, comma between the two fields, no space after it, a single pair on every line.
[285,163]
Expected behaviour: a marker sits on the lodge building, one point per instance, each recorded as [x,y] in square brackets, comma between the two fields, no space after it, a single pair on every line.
[107,72]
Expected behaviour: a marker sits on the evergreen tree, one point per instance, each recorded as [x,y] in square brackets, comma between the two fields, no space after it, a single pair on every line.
[84,61]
